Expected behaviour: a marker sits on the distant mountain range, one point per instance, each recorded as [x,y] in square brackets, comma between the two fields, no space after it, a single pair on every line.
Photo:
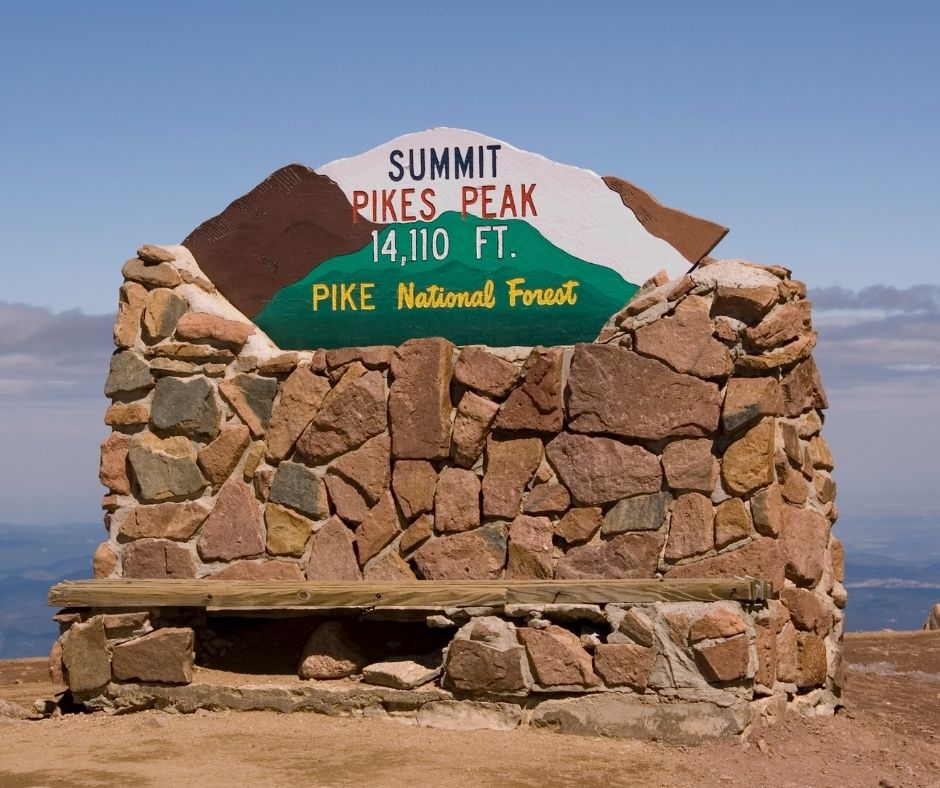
[32,558]
[884,593]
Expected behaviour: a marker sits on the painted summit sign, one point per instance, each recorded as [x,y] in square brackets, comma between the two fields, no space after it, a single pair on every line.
[445,233]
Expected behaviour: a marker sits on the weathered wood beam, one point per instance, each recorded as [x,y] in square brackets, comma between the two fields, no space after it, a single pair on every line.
[261,594]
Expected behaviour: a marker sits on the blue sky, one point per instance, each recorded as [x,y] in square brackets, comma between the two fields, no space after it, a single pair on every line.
[809,129]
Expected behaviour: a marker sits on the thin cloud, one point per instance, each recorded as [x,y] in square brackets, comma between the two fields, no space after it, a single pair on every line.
[48,356]
[886,298]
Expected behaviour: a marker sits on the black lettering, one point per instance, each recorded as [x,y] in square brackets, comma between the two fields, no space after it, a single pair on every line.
[463,164]
[394,159]
[492,149]
[440,167]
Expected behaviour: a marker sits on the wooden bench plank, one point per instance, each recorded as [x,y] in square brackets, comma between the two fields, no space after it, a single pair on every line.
[262,594]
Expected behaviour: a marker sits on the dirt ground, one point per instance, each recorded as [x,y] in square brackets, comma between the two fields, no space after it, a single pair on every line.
[889,735]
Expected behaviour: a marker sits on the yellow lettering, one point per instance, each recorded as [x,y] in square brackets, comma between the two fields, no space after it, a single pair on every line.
[365,296]
[320,292]
[515,291]
[346,296]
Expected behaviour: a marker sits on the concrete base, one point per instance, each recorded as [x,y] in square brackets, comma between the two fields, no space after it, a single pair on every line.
[611,713]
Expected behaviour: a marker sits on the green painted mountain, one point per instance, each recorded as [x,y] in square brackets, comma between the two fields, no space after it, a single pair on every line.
[459,278]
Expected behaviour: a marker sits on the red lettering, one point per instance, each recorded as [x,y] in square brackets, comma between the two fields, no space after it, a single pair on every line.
[508,208]
[388,208]
[468,196]
[527,199]
[406,195]
[487,192]
[427,197]
[375,207]
[360,200]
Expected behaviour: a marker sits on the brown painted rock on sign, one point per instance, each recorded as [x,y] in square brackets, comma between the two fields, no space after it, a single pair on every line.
[350,414]
[301,396]
[761,559]
[510,465]
[802,389]
[419,399]
[164,656]
[719,622]
[157,559]
[299,487]
[782,325]
[414,482]
[625,556]
[199,327]
[811,660]
[457,500]
[252,398]
[808,611]
[272,236]
[684,341]
[477,667]
[85,655]
[639,513]
[690,465]
[187,407]
[550,498]
[330,653]
[485,373]
[128,373]
[387,567]
[112,471]
[624,664]
[163,309]
[615,391]
[130,311]
[164,469]
[286,532]
[177,521]
[803,538]
[368,467]
[579,525]
[219,458]
[258,570]
[333,556]
[732,523]
[748,463]
[748,304]
[726,660]
[557,657]
[159,275]
[475,415]
[748,399]
[599,470]
[691,531]
[233,529]
[530,548]
[536,405]
[378,529]
[479,554]
[104,561]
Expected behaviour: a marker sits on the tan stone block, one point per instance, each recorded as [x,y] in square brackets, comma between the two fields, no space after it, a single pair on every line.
[732,522]
[414,483]
[510,465]
[784,324]
[530,548]
[579,525]
[176,521]
[536,405]
[415,534]
[333,556]
[557,657]
[287,532]
[690,465]
[485,373]
[127,414]
[112,471]
[749,399]
[218,459]
[378,529]
[475,416]
[199,327]
[159,275]
[162,310]
[104,561]
[300,397]
[624,665]
[721,621]
[479,554]
[130,311]
[233,528]
[748,463]
[419,399]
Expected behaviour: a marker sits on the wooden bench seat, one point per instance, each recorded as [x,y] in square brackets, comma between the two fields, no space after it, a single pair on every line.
[264,594]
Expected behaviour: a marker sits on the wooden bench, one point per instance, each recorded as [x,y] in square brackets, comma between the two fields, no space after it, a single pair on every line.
[279,594]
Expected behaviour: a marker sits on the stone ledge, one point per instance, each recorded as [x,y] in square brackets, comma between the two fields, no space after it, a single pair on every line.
[610,714]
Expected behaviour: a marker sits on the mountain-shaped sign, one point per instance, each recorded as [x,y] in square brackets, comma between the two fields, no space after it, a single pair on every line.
[446,233]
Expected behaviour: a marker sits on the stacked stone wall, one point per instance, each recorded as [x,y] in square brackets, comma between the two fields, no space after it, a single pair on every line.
[683,443]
